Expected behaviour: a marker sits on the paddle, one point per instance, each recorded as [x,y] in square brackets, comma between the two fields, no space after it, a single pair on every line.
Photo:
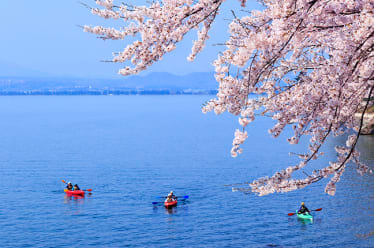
[318,209]
[184,197]
[81,189]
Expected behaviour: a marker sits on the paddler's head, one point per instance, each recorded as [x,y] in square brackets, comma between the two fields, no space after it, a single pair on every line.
[302,204]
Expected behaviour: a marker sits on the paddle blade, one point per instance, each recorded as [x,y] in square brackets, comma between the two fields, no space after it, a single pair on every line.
[290,214]
[89,190]
[318,209]
[183,197]
[63,181]
[155,203]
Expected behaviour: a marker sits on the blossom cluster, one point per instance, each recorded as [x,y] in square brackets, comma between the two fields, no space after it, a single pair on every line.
[306,64]
[313,61]
[157,27]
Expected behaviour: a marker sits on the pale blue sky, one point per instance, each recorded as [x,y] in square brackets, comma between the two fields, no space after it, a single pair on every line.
[41,37]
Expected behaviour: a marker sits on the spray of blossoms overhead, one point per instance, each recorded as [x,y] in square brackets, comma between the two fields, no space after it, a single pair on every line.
[159,27]
[310,63]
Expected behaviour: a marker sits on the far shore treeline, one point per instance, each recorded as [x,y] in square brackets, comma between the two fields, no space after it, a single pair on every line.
[200,83]
[80,91]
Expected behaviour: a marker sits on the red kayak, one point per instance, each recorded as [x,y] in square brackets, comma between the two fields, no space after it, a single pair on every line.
[74,192]
[171,204]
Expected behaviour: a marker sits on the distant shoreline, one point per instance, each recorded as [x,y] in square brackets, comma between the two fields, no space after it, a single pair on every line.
[108,92]
[151,84]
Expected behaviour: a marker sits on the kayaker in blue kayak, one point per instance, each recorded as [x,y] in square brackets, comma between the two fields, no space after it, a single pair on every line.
[69,186]
[303,209]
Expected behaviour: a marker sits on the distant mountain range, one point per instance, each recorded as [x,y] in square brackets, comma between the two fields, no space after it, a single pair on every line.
[153,83]
[9,69]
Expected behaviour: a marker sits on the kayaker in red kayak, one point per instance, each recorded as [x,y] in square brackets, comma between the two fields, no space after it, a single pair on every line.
[69,186]
[171,197]
[303,209]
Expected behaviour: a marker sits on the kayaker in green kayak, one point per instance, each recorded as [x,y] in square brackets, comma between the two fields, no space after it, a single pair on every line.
[303,209]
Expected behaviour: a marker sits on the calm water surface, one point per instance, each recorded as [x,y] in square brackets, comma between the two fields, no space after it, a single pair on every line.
[130,149]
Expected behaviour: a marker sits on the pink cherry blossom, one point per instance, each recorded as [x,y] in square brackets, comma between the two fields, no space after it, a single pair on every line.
[305,64]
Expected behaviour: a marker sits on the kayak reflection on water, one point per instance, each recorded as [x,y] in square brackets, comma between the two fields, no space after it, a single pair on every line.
[171,210]
[305,221]
[75,198]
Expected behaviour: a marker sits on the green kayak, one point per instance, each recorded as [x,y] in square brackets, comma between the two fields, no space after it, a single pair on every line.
[304,216]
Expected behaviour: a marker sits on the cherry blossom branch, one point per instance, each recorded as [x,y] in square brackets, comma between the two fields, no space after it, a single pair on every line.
[305,64]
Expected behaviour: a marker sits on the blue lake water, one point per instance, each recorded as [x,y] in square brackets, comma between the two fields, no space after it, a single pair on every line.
[130,149]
